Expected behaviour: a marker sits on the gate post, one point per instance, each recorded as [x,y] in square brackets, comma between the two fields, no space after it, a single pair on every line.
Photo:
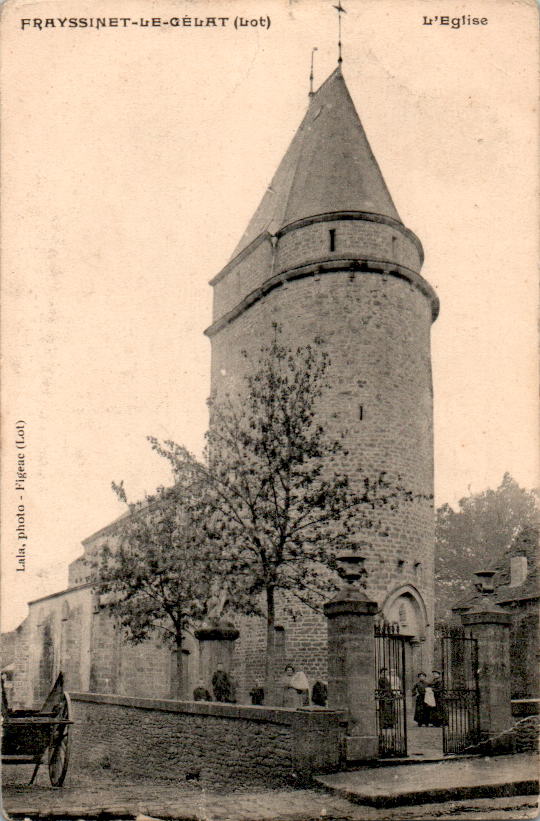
[351,663]
[490,625]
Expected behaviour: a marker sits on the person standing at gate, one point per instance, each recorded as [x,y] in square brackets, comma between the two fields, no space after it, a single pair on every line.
[437,712]
[387,713]
[421,709]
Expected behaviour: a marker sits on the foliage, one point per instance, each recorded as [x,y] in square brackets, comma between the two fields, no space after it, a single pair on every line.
[155,578]
[475,536]
[275,507]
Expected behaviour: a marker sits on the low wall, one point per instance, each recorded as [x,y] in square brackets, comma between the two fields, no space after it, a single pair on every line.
[221,744]
[522,737]
[522,707]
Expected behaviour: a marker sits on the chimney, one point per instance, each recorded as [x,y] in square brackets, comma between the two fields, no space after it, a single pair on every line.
[518,570]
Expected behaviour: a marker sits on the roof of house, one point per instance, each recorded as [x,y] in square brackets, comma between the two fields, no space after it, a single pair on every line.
[525,543]
[328,167]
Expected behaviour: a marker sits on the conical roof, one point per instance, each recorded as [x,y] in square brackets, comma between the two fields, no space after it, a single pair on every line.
[329,166]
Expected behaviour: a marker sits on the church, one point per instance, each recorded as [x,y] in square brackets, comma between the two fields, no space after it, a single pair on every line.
[327,255]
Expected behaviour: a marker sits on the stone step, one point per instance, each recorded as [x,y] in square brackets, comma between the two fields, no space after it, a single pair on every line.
[447,780]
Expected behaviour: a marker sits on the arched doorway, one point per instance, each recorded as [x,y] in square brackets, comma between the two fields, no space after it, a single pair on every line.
[405,608]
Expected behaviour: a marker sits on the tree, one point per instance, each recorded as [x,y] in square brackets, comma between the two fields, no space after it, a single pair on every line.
[155,577]
[273,502]
[475,536]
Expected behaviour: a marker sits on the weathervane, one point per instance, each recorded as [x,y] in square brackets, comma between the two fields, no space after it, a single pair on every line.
[313,50]
[340,10]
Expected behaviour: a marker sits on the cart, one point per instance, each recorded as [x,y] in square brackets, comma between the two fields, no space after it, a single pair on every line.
[27,735]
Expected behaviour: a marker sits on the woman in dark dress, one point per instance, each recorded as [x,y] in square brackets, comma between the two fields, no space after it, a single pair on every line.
[221,685]
[421,709]
[437,713]
[387,715]
[257,694]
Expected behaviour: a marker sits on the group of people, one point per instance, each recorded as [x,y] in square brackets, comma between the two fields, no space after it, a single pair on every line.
[429,707]
[429,703]
[293,689]
[294,692]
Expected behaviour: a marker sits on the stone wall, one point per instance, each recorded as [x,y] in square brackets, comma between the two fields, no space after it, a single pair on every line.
[523,707]
[66,632]
[219,744]
[244,274]
[524,649]
[522,737]
[21,693]
[308,241]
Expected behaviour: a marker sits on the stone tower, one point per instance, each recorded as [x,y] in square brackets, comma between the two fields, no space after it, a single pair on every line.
[326,254]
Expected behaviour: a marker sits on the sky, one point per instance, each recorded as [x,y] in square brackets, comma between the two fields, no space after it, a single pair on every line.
[133,159]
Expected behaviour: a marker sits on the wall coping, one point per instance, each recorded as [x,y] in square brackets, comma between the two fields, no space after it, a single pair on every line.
[347,264]
[486,617]
[67,590]
[349,606]
[273,715]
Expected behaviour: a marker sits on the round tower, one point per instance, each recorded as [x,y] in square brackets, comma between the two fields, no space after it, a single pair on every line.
[326,254]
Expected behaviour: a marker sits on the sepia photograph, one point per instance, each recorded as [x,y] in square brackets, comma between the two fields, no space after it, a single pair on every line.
[270,443]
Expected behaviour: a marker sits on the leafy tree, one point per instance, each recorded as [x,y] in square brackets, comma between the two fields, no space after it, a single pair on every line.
[155,577]
[475,536]
[273,503]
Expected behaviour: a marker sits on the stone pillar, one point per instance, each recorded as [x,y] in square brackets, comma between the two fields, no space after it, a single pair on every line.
[216,645]
[351,665]
[490,625]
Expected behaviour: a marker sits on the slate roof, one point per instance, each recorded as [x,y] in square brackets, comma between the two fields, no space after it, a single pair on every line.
[329,166]
[525,543]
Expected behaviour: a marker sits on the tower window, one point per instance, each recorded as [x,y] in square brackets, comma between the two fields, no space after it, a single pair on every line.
[394,243]
[360,412]
[332,233]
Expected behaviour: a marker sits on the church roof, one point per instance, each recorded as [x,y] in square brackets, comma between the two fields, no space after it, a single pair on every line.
[329,166]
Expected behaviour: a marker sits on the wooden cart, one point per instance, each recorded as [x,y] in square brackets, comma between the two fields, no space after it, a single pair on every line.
[27,735]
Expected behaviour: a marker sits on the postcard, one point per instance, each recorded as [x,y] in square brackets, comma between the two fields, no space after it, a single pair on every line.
[316,596]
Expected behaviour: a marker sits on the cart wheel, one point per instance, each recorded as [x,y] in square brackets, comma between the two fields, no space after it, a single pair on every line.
[59,745]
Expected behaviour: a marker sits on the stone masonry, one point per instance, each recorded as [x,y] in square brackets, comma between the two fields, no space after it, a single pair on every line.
[219,744]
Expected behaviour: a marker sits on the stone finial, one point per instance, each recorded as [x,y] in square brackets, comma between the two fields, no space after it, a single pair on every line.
[484,582]
[353,569]
[486,604]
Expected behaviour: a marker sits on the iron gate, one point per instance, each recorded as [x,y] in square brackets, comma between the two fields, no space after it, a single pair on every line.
[390,691]
[460,703]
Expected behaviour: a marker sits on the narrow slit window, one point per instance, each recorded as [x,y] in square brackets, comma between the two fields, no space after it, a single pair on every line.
[360,412]
[332,233]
